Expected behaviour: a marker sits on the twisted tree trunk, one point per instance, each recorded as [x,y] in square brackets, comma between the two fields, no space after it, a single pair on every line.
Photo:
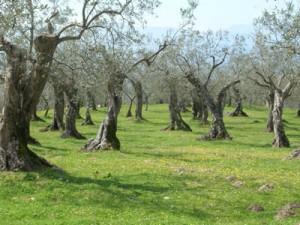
[239,106]
[129,113]
[218,129]
[200,111]
[280,139]
[270,103]
[22,93]
[72,112]
[176,121]
[88,118]
[106,138]
[59,108]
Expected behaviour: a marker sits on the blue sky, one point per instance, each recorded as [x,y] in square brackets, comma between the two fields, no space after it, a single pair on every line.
[211,14]
[232,15]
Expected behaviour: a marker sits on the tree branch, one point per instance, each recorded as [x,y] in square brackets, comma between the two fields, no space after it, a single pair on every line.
[215,66]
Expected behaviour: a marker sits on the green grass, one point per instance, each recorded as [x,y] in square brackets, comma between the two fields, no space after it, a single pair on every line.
[158,177]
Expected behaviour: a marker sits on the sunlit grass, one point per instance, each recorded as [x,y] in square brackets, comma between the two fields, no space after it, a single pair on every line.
[158,177]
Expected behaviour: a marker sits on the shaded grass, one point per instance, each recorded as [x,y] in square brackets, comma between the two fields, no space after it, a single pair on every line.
[159,177]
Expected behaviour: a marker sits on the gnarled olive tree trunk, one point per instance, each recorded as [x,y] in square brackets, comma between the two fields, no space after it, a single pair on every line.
[270,104]
[176,121]
[59,108]
[200,111]
[106,138]
[197,106]
[72,112]
[88,118]
[22,93]
[239,104]
[218,129]
[280,138]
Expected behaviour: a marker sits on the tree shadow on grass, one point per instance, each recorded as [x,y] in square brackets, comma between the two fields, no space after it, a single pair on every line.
[126,194]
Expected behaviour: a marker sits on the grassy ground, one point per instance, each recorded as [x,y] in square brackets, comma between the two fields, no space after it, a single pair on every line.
[158,177]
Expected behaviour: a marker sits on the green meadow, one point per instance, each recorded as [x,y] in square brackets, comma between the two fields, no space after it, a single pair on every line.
[158,177]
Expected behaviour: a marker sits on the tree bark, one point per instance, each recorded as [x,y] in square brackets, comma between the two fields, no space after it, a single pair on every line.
[129,113]
[35,117]
[91,101]
[270,103]
[79,105]
[59,108]
[72,112]
[280,139]
[176,121]
[218,129]
[106,138]
[146,102]
[21,98]
[205,113]
[239,104]
[197,107]
[139,100]
[88,118]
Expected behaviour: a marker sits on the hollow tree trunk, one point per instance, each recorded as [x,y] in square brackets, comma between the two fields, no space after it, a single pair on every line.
[72,113]
[139,100]
[270,103]
[88,118]
[176,121]
[106,138]
[91,101]
[239,104]
[280,139]
[21,98]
